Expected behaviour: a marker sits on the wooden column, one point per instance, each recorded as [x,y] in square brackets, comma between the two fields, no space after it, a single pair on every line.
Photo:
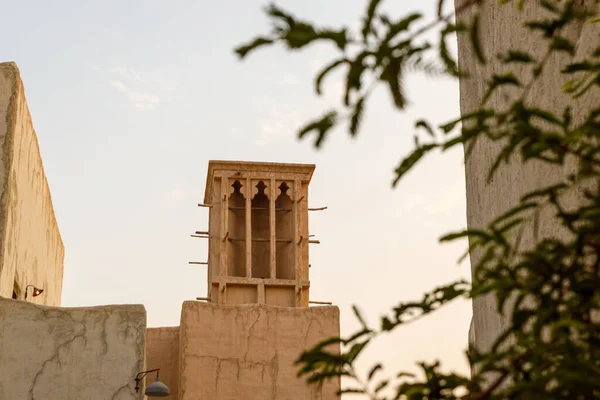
[249,227]
[272,231]
[224,226]
[298,240]
[261,293]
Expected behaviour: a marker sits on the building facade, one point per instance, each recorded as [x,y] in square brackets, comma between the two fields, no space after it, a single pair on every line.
[240,342]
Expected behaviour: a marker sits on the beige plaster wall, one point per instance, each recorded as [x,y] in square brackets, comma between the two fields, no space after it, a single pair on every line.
[31,248]
[502,29]
[248,351]
[162,351]
[90,353]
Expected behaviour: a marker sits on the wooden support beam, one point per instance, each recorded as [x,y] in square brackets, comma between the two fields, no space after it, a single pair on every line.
[261,293]
[272,231]
[262,209]
[297,187]
[248,207]
[260,240]
[224,227]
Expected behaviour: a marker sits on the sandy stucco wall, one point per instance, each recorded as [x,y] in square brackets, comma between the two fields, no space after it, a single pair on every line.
[502,29]
[249,349]
[49,353]
[162,351]
[31,248]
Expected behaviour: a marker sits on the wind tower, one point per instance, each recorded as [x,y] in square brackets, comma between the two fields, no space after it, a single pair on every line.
[258,237]
[256,321]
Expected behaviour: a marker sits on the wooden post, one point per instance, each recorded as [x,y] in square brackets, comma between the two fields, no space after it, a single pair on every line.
[297,234]
[261,293]
[272,231]
[224,226]
[222,292]
[248,228]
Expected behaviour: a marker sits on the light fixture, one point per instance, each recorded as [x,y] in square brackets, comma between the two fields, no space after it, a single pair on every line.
[155,389]
[35,293]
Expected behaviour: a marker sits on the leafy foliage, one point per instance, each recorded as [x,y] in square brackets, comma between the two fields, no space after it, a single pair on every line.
[549,291]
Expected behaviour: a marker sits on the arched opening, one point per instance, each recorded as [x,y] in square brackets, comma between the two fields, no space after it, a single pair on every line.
[236,249]
[284,228]
[260,233]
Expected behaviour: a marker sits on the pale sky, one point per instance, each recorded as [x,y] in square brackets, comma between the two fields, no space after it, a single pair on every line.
[131,99]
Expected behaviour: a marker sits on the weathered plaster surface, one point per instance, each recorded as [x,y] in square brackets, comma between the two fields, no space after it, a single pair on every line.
[248,351]
[90,353]
[31,248]
[502,28]
[162,351]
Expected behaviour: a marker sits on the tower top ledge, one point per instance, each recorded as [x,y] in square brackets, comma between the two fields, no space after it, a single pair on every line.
[252,166]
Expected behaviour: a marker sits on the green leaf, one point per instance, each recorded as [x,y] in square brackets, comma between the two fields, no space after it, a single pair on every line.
[425,125]
[562,44]
[368,21]
[242,51]
[517,56]
[409,161]
[506,79]
[374,370]
[550,6]
[520,317]
[546,27]
[354,76]
[381,386]
[321,126]
[327,70]
[567,117]
[440,7]
[450,64]
[580,66]
[340,38]
[355,351]
[386,324]
[401,26]
[466,233]
[356,117]
[392,76]
[481,114]
[273,11]
[510,225]
[475,39]
[513,211]
[357,335]
[297,34]
[359,317]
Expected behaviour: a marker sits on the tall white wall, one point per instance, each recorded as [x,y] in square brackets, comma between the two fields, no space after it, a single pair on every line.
[502,29]
[31,248]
